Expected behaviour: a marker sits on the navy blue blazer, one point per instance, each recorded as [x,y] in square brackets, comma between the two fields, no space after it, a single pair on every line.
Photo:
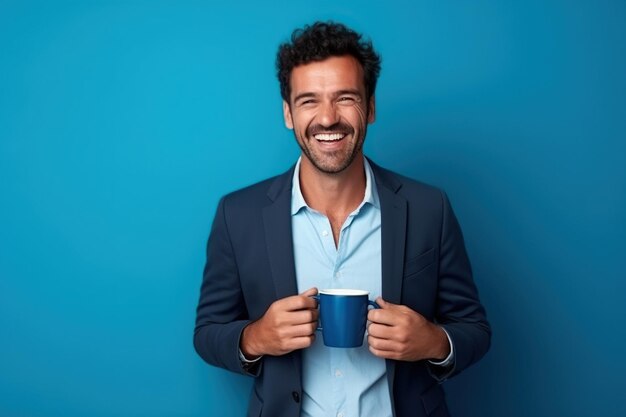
[250,264]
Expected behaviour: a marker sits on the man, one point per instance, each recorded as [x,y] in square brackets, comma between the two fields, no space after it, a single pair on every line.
[337,220]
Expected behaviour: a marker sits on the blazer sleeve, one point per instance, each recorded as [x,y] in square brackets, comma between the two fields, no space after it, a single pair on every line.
[221,314]
[459,310]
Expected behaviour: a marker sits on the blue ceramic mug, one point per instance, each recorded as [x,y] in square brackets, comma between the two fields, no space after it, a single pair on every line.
[342,318]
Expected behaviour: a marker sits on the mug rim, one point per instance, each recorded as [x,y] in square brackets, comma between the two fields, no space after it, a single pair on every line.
[343,291]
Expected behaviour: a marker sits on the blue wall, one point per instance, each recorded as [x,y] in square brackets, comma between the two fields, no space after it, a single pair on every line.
[122,123]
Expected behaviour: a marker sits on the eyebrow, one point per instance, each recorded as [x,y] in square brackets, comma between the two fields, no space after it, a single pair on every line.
[303,95]
[349,91]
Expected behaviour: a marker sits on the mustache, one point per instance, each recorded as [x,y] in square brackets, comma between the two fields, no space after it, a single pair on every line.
[338,127]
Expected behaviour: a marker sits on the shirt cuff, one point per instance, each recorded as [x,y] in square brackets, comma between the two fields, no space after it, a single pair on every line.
[243,359]
[449,360]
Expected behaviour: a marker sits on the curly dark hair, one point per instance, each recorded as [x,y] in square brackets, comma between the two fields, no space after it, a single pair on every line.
[323,40]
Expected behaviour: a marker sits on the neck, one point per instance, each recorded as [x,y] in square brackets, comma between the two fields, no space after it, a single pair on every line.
[332,194]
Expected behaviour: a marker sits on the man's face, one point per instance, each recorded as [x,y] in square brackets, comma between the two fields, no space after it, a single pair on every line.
[328,112]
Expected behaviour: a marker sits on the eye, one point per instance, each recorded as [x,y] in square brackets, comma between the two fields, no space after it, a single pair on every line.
[306,102]
[347,100]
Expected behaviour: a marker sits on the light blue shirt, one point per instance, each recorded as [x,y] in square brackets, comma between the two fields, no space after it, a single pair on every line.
[340,382]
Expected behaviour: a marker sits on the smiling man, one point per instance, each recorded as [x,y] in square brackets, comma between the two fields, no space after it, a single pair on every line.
[331,110]
[337,220]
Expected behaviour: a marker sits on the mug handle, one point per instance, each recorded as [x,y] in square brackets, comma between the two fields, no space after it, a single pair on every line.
[319,317]
[373,304]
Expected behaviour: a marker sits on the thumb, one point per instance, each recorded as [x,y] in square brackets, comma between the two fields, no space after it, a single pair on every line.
[310,292]
[384,304]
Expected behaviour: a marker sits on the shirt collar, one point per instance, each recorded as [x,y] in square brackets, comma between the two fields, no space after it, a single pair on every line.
[370,196]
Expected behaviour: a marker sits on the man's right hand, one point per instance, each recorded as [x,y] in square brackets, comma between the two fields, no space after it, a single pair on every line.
[287,325]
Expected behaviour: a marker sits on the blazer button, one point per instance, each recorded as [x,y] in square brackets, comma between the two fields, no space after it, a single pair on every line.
[296,396]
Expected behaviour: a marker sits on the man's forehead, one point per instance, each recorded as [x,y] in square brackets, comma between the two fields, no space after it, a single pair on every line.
[341,72]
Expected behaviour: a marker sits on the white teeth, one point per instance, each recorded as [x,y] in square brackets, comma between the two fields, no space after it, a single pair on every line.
[329,136]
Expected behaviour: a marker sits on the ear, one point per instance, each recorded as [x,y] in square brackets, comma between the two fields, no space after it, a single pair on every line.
[371,110]
[287,115]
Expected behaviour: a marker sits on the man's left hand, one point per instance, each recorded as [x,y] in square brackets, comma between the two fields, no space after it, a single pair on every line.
[397,332]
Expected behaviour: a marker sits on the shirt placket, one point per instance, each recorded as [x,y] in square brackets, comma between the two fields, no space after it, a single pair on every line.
[336,257]
[337,355]
[324,231]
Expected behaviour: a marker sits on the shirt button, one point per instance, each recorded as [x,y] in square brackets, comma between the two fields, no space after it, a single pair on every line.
[340,414]
[338,373]
[296,396]
[325,233]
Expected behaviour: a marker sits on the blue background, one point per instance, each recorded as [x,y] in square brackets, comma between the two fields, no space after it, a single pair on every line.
[122,123]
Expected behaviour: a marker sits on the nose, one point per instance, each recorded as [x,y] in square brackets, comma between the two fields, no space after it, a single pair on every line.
[328,114]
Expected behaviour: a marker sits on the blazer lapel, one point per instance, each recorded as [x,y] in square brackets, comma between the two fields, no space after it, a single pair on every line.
[393,209]
[279,241]
[278,236]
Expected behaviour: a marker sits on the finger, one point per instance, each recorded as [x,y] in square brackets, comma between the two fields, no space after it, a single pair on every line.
[386,304]
[383,344]
[382,303]
[382,316]
[300,330]
[298,302]
[302,342]
[310,292]
[301,317]
[385,354]
[381,331]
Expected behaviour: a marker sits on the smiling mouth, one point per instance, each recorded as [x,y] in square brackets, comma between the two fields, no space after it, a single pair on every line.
[329,137]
